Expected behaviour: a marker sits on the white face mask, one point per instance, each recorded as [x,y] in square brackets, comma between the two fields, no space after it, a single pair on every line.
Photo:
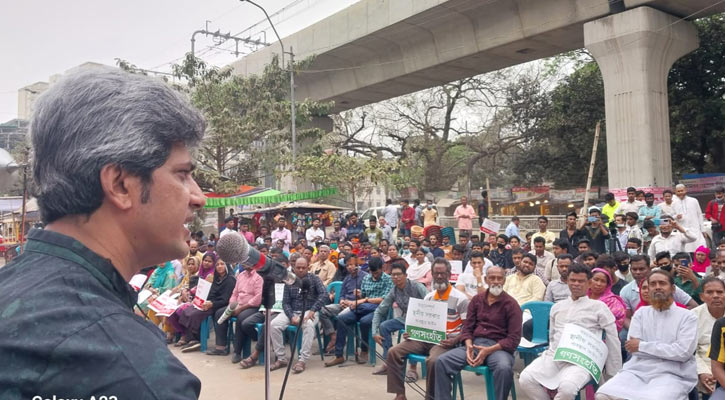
[632,252]
[495,290]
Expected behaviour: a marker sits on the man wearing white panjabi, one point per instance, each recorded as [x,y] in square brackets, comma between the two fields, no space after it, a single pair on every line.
[689,215]
[662,341]
[594,316]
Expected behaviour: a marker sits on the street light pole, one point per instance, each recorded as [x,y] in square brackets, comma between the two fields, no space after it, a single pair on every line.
[292,88]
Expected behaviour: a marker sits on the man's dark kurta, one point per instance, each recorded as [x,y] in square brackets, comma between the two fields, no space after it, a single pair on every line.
[67,328]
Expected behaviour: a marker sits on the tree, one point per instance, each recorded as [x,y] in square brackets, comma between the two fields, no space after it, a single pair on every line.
[697,102]
[437,135]
[355,176]
[247,121]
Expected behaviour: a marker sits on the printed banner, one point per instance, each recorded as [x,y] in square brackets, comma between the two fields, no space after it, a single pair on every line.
[621,194]
[202,292]
[426,320]
[580,347]
[490,227]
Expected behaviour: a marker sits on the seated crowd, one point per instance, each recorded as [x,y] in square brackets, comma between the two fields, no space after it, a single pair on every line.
[658,308]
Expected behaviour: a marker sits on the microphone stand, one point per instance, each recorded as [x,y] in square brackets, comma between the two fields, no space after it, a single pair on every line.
[268,301]
[303,293]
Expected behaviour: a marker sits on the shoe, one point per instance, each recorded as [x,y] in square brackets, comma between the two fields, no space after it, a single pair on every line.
[381,371]
[217,352]
[192,346]
[363,357]
[336,361]
[236,358]
[187,344]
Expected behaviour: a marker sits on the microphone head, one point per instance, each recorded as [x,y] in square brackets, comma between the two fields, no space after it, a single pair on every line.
[232,248]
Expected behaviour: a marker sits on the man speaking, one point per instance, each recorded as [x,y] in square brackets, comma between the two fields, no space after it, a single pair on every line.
[112,170]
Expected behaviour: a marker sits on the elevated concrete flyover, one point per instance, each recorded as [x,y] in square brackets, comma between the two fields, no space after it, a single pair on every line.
[379,49]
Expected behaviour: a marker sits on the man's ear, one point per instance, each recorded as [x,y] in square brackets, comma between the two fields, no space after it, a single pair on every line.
[119,187]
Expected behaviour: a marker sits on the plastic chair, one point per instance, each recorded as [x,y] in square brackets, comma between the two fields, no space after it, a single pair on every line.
[540,311]
[487,376]
[337,287]
[204,330]
[415,358]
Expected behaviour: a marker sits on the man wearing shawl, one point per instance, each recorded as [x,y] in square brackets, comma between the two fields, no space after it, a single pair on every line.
[662,340]
[544,374]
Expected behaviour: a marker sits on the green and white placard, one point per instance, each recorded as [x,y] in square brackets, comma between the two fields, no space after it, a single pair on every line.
[426,320]
[585,349]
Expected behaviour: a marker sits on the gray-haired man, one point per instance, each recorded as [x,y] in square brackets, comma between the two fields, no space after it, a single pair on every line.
[112,169]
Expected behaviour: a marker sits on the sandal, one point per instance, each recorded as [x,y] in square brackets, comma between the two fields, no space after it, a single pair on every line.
[181,342]
[248,362]
[299,367]
[277,365]
[411,376]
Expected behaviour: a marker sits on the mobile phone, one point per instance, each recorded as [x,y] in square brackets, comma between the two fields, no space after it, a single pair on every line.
[592,219]
[685,262]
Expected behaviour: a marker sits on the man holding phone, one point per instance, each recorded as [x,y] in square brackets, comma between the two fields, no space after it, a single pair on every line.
[669,240]
[685,278]
[596,231]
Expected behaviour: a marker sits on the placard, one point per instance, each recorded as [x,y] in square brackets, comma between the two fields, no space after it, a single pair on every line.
[456,270]
[165,305]
[137,281]
[426,320]
[278,294]
[585,349]
[202,292]
[143,295]
[490,227]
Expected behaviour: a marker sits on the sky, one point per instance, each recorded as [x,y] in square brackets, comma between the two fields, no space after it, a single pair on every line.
[42,38]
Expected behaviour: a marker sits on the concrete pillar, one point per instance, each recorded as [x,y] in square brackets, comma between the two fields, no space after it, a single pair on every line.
[635,50]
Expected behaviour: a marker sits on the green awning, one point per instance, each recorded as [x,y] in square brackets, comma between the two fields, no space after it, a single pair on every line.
[264,198]
[268,192]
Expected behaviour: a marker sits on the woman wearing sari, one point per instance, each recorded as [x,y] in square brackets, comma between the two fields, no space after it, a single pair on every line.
[162,279]
[600,288]
[187,320]
[206,268]
[188,282]
[419,270]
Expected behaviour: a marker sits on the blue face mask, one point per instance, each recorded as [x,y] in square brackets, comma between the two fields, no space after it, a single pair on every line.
[425,248]
[333,246]
[632,252]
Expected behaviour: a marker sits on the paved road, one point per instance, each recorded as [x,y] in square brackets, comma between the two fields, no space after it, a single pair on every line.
[223,380]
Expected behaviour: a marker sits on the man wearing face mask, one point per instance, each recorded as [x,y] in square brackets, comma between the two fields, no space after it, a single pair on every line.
[430,214]
[491,333]
[457,307]
[500,255]
[622,260]
[592,315]
[714,213]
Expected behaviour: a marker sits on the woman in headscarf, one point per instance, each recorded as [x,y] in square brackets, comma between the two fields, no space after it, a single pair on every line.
[188,320]
[419,270]
[702,260]
[162,279]
[600,288]
[644,296]
[207,265]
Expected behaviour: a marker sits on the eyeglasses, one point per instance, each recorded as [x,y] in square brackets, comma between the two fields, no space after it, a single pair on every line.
[397,274]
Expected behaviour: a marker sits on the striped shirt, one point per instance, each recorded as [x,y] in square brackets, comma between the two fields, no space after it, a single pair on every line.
[457,307]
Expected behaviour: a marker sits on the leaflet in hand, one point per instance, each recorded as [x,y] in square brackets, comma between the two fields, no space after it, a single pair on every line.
[165,305]
[202,292]
[137,281]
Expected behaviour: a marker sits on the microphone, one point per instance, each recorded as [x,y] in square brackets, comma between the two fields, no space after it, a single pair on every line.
[227,313]
[233,248]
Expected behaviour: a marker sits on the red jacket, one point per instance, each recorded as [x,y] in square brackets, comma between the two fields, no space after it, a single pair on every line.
[711,212]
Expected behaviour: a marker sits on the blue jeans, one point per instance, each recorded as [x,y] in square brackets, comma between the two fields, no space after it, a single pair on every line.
[346,324]
[500,363]
[386,331]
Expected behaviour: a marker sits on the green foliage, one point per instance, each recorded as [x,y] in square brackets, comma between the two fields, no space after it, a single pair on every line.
[697,103]
[560,144]
[355,176]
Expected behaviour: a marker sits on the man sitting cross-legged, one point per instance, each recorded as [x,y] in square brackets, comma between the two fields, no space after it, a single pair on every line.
[457,306]
[491,333]
[662,341]
[592,315]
